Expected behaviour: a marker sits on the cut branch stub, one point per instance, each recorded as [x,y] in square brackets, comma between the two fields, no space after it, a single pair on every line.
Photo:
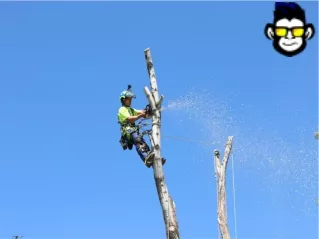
[228,148]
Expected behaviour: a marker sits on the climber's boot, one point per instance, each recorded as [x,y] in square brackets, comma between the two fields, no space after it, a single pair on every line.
[163,161]
[149,159]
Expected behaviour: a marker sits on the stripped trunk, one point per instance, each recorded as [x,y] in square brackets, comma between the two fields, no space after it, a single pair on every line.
[220,173]
[167,203]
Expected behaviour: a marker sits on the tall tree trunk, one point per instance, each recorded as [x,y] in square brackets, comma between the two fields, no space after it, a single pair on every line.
[220,173]
[167,203]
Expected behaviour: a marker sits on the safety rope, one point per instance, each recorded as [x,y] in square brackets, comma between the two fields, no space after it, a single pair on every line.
[187,139]
[234,195]
[141,125]
[233,178]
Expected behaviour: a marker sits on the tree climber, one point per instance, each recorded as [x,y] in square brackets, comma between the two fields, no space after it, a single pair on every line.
[127,116]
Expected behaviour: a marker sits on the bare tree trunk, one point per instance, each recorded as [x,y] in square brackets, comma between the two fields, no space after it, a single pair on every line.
[220,172]
[167,203]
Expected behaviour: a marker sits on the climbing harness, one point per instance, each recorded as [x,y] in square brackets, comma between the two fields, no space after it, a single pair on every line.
[126,141]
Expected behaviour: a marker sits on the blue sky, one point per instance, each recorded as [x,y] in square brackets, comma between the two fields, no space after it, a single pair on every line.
[63,173]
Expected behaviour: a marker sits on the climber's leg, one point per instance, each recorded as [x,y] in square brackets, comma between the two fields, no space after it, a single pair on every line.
[143,149]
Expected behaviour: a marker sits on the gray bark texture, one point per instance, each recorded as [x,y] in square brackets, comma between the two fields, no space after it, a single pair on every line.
[167,203]
[220,173]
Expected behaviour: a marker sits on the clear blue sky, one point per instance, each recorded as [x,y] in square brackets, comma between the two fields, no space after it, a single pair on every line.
[63,173]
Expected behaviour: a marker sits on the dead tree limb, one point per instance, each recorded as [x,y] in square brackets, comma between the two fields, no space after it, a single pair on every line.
[220,173]
[167,203]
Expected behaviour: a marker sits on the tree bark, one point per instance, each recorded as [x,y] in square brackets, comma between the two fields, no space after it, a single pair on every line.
[167,203]
[220,173]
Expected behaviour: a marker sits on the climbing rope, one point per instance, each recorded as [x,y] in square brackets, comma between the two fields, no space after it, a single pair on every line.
[233,176]
[234,195]
[187,139]
[141,125]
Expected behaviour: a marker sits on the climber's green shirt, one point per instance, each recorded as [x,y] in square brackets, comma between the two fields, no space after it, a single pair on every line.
[124,113]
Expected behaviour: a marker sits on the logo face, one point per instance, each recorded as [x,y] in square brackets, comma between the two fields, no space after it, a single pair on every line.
[289,31]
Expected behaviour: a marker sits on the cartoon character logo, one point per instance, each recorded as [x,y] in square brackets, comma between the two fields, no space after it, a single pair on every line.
[289,31]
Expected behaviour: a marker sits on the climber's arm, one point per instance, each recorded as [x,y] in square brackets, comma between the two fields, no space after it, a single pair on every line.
[125,116]
[139,111]
[132,119]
